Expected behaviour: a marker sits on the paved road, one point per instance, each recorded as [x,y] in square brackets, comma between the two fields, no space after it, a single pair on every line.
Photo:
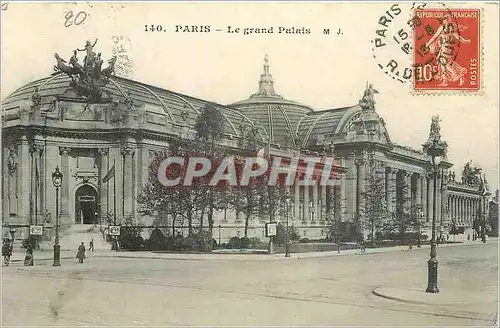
[309,291]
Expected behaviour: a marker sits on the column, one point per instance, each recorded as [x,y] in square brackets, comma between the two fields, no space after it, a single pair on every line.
[36,151]
[23,178]
[103,192]
[323,215]
[296,210]
[142,168]
[423,184]
[128,179]
[6,183]
[305,207]
[465,210]
[475,210]
[64,191]
[430,197]
[452,207]
[469,210]
[388,185]
[407,190]
[418,192]
[461,210]
[361,182]
[315,187]
[343,197]
[444,200]
[393,191]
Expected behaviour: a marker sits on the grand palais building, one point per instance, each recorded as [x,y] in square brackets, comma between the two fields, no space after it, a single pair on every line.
[85,122]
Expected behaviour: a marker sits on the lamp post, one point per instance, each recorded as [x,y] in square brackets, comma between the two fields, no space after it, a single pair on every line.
[287,245]
[57,180]
[219,235]
[435,150]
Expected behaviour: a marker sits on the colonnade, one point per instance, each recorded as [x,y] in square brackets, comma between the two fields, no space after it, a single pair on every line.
[463,209]
[404,188]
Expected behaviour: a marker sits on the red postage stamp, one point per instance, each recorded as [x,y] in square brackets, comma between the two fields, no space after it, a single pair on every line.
[447,51]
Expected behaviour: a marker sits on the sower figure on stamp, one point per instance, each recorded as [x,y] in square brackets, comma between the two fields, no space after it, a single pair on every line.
[442,43]
[81,253]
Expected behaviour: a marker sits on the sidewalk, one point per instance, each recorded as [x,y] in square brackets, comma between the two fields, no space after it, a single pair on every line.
[47,254]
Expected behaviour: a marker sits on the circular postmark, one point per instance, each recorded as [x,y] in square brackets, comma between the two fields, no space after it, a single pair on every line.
[122,50]
[396,37]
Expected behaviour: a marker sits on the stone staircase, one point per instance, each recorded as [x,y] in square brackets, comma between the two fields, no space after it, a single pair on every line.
[71,237]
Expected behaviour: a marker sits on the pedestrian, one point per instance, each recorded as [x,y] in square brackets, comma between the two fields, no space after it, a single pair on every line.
[91,245]
[28,257]
[6,251]
[81,253]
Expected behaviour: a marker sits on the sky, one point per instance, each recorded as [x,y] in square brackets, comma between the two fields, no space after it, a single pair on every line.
[319,70]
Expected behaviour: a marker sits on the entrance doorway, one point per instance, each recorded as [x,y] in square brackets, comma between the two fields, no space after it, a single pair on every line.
[86,205]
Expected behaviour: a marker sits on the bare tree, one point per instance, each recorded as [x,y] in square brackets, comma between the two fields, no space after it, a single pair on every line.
[375,207]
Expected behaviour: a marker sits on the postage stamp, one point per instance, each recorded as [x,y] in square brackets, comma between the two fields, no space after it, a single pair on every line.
[446,54]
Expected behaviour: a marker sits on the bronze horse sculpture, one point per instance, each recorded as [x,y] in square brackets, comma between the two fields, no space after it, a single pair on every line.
[62,67]
[110,70]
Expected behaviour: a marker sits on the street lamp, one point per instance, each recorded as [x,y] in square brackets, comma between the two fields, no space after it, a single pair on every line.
[219,235]
[287,246]
[57,180]
[435,150]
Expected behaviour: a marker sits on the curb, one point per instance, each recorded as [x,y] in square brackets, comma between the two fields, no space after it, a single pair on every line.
[392,298]
[408,301]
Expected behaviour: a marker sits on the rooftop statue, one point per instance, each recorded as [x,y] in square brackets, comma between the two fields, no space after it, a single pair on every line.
[435,133]
[471,176]
[368,100]
[434,142]
[87,80]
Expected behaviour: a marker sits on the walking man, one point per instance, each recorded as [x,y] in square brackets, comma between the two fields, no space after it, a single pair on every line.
[91,245]
[81,253]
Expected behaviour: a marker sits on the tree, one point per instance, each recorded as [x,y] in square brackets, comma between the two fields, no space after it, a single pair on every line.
[180,202]
[338,230]
[209,130]
[375,199]
[407,220]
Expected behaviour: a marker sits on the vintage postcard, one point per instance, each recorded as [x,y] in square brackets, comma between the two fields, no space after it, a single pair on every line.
[249,164]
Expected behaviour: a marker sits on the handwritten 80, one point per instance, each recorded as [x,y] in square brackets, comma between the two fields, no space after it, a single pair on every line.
[72,19]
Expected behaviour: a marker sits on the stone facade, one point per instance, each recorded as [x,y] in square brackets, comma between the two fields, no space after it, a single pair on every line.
[46,125]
